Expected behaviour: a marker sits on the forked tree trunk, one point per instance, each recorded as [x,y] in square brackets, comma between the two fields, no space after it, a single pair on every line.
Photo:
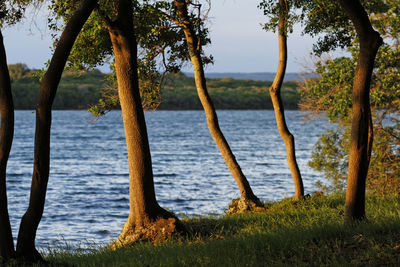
[212,119]
[6,136]
[361,129]
[275,92]
[144,208]
[30,220]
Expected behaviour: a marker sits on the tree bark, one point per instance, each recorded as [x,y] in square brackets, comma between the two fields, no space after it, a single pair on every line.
[144,208]
[6,137]
[31,219]
[361,129]
[212,120]
[275,92]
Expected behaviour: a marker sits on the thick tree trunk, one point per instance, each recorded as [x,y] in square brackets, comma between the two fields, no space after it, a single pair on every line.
[30,220]
[361,130]
[6,137]
[212,119]
[144,208]
[275,92]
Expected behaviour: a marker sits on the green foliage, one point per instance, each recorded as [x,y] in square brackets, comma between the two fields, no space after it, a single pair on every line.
[331,92]
[309,232]
[93,45]
[334,29]
[12,11]
[272,10]
[25,91]
[385,91]
[17,71]
[326,21]
[316,17]
[161,45]
[384,173]
[331,157]
[103,106]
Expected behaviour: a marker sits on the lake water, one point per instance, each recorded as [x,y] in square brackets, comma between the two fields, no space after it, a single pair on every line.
[87,197]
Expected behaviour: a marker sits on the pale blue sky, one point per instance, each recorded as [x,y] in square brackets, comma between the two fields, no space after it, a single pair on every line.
[238,42]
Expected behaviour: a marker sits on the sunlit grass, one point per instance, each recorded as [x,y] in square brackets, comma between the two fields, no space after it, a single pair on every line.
[310,232]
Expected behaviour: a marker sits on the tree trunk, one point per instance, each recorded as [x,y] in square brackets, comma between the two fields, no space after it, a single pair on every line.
[275,92]
[144,208]
[212,119]
[30,220]
[361,130]
[6,138]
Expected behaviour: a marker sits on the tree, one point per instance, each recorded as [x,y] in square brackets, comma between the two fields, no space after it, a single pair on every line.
[331,92]
[185,21]
[17,71]
[275,91]
[10,13]
[361,131]
[6,137]
[147,220]
[160,51]
[31,219]
[341,22]
[132,35]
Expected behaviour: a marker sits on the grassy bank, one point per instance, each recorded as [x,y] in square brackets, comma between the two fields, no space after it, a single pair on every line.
[309,232]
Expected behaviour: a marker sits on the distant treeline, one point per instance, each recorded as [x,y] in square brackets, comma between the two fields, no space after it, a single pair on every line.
[80,90]
[256,76]
[180,92]
[77,90]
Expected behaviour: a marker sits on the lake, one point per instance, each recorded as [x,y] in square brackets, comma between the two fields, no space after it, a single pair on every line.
[87,196]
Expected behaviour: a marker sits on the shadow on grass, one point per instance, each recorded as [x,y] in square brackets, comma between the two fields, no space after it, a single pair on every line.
[309,232]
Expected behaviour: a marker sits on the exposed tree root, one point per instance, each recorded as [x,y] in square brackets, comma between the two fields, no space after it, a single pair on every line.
[158,231]
[243,205]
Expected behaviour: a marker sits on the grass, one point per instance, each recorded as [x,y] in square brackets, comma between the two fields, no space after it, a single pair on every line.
[309,232]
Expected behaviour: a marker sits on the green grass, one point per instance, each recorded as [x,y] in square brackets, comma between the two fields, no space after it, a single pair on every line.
[309,232]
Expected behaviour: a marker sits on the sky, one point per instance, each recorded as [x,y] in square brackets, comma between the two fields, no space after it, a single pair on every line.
[239,44]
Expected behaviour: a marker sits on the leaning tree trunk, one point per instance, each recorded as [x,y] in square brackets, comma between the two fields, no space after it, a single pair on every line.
[361,130]
[147,220]
[30,221]
[275,92]
[6,137]
[212,119]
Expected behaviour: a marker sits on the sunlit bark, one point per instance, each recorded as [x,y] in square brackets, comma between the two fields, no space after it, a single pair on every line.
[212,119]
[144,208]
[275,92]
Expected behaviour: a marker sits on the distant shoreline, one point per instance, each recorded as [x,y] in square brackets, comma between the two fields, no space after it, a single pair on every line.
[256,76]
[236,91]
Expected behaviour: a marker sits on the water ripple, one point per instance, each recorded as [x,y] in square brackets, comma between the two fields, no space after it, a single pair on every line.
[88,191]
